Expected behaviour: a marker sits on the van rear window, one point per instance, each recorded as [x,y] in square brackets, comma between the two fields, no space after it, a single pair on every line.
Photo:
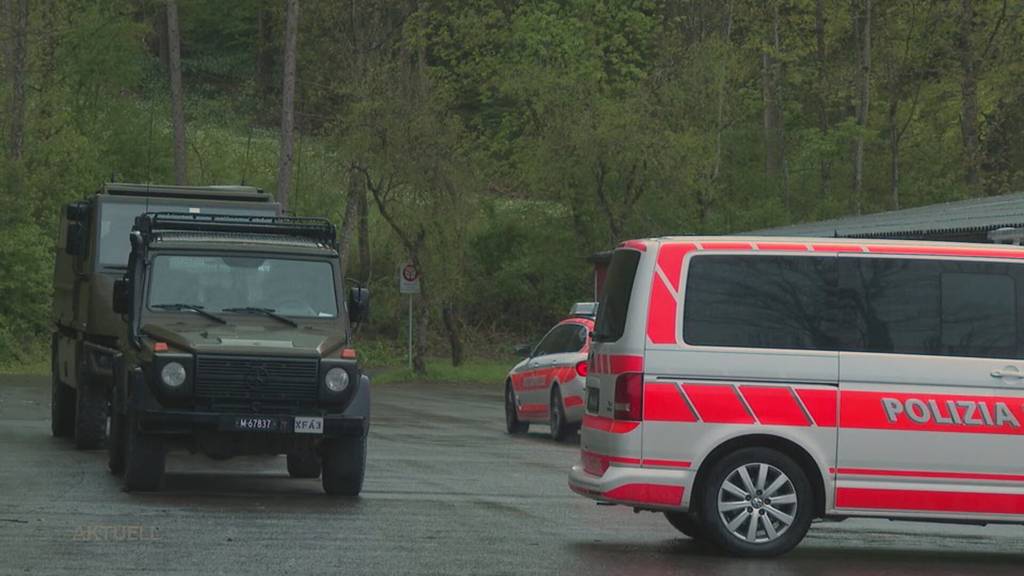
[611,314]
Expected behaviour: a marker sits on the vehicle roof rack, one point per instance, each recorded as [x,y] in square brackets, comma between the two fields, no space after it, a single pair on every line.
[250,193]
[316,229]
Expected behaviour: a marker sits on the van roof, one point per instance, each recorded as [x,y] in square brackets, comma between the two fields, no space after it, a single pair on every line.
[249,193]
[805,244]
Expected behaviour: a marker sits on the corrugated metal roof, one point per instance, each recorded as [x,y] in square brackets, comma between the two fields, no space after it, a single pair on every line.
[977,215]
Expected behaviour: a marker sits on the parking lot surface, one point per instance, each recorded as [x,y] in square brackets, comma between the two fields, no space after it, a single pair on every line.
[447,492]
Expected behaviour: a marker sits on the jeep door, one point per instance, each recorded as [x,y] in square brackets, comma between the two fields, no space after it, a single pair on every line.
[931,389]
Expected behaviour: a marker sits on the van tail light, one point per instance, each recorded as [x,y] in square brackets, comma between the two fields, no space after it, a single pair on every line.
[629,396]
[581,369]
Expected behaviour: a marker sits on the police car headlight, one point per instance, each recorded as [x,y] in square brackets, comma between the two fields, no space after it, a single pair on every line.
[336,380]
[173,374]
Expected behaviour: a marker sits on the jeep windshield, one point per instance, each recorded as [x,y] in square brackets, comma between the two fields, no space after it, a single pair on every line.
[116,219]
[243,285]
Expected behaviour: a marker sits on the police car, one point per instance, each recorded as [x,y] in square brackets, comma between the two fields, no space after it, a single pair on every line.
[747,386]
[547,386]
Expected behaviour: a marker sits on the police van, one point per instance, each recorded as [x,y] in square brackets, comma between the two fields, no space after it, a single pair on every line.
[745,387]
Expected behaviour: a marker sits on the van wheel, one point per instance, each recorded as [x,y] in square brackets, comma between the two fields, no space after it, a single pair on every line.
[757,502]
[62,400]
[557,415]
[303,463]
[344,466]
[512,423]
[686,523]
[90,413]
[144,458]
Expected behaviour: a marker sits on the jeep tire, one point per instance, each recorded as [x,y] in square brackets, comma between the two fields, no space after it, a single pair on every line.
[144,458]
[344,465]
[90,413]
[303,462]
[62,400]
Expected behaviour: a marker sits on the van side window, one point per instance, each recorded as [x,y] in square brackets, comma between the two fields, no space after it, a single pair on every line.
[761,302]
[944,308]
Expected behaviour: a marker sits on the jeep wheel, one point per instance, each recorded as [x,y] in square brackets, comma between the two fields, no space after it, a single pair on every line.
[757,502]
[557,416]
[303,463]
[62,401]
[512,423]
[116,443]
[344,465]
[144,458]
[686,523]
[90,413]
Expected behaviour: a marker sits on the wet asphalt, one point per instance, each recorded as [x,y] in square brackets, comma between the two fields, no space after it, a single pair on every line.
[447,492]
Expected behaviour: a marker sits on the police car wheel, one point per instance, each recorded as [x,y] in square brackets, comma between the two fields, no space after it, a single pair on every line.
[512,423]
[758,502]
[557,416]
[144,458]
[344,465]
[303,463]
[686,523]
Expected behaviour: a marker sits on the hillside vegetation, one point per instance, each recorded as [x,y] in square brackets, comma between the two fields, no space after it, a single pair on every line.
[498,143]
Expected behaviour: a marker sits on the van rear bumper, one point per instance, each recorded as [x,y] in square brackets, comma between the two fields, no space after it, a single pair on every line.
[646,488]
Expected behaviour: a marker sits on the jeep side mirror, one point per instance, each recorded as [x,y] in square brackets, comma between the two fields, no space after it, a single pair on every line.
[122,300]
[358,304]
[524,350]
[74,244]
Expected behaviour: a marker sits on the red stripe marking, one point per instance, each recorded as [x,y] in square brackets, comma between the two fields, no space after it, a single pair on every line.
[860,409]
[634,245]
[774,406]
[930,501]
[717,403]
[571,401]
[597,464]
[608,425]
[670,260]
[821,404]
[533,409]
[931,474]
[837,247]
[782,246]
[666,463]
[661,314]
[662,494]
[663,402]
[946,251]
[726,245]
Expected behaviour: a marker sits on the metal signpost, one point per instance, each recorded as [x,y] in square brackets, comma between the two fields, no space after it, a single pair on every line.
[409,283]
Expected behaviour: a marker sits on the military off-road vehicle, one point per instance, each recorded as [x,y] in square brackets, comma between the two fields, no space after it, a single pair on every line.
[91,254]
[237,340]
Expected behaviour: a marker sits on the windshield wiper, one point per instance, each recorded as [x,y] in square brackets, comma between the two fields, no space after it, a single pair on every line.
[265,311]
[193,307]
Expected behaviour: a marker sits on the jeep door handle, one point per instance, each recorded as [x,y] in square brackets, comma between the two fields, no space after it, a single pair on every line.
[1008,372]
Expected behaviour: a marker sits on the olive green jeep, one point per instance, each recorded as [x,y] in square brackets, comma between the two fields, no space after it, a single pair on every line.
[237,341]
[92,253]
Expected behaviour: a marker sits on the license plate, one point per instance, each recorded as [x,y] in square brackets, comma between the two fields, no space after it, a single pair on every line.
[593,400]
[256,424]
[309,425]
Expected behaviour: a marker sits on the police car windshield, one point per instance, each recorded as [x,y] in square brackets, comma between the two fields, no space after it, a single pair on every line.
[299,288]
[117,218]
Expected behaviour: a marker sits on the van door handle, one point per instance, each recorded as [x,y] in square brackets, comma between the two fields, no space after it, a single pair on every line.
[1008,372]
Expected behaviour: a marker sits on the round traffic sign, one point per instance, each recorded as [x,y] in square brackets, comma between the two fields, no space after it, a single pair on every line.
[409,273]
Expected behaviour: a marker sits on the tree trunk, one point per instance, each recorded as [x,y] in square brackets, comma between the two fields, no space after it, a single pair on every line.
[894,154]
[177,97]
[17,70]
[969,94]
[451,328]
[264,54]
[419,350]
[364,237]
[863,28]
[824,165]
[162,42]
[774,135]
[349,220]
[284,167]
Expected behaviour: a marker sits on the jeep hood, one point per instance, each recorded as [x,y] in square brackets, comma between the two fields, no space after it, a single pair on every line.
[248,339]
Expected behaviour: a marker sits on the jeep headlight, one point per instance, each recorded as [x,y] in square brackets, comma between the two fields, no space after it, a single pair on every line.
[336,380]
[173,374]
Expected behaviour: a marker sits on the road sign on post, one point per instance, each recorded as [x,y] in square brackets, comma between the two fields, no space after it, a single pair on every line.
[409,283]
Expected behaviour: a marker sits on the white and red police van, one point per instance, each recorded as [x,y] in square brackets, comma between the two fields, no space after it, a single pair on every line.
[746,386]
